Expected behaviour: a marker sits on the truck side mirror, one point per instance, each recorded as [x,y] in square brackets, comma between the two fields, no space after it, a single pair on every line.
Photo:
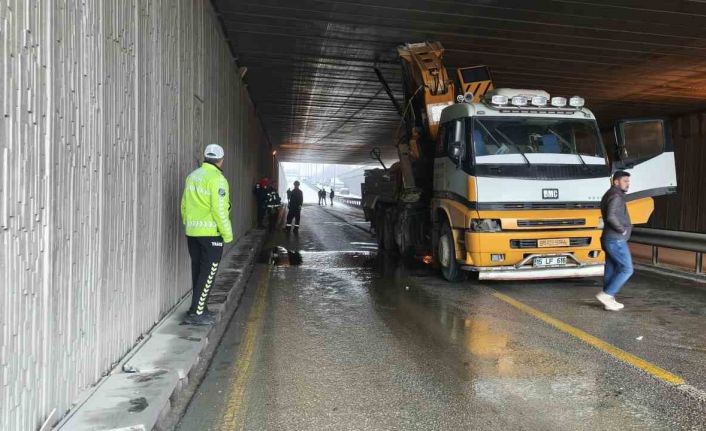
[457,147]
[375,155]
[457,150]
[457,130]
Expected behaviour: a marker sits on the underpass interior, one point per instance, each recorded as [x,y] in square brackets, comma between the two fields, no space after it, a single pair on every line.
[345,336]
[334,335]
[107,107]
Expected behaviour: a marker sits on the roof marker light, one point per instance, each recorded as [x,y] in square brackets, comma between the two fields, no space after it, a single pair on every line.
[498,99]
[558,102]
[576,102]
[539,101]
[519,100]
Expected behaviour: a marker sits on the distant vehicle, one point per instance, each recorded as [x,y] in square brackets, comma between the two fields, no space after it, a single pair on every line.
[344,191]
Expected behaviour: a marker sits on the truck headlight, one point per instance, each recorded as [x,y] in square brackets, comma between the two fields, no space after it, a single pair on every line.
[600,223]
[485,225]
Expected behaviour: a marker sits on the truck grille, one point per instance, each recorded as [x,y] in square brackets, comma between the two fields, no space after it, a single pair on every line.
[549,205]
[545,223]
[532,243]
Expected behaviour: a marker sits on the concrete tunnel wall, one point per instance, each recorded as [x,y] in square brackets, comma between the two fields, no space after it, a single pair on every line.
[106,105]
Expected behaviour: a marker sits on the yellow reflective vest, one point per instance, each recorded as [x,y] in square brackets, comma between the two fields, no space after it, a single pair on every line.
[205,204]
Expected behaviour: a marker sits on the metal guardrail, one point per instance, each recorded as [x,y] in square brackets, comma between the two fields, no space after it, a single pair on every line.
[670,238]
[688,241]
[354,202]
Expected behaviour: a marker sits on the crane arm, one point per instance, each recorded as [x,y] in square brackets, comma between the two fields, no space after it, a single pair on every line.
[424,67]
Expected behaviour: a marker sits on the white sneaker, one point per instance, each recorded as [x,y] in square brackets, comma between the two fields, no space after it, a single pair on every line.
[618,304]
[608,302]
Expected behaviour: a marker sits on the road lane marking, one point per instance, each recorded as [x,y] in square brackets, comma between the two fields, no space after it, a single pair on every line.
[241,373]
[599,344]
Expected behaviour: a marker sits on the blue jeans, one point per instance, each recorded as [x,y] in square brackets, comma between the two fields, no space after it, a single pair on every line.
[618,265]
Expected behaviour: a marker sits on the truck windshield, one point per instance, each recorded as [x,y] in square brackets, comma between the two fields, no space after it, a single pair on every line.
[533,140]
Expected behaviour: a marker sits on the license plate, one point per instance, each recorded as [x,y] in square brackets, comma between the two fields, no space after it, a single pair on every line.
[553,242]
[549,261]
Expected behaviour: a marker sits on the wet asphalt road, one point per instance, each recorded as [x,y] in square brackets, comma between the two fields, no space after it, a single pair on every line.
[347,340]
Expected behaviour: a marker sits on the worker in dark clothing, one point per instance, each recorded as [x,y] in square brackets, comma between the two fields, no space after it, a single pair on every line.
[289,194]
[616,233]
[261,201]
[322,192]
[331,196]
[273,203]
[295,208]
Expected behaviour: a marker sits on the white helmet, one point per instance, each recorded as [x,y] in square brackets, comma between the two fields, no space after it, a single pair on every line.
[214,151]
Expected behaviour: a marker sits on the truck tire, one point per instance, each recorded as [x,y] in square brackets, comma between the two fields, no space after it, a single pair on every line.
[380,227]
[403,235]
[389,232]
[446,252]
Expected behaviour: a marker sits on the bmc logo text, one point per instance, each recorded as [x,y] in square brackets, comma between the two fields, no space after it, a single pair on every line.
[550,193]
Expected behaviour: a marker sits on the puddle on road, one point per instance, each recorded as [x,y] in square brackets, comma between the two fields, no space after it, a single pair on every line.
[280,256]
[461,331]
[483,345]
[137,404]
[492,357]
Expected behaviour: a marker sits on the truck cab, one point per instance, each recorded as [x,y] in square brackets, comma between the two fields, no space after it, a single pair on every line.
[518,180]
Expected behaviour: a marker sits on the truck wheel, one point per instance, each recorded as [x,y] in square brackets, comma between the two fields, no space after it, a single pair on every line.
[446,252]
[380,227]
[389,232]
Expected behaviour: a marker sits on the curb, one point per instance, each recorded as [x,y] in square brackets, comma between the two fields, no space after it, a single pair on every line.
[140,393]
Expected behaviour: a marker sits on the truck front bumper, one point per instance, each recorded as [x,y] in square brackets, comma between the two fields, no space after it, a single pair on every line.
[524,271]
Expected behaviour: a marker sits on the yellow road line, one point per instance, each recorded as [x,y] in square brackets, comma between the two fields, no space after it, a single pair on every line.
[236,393]
[606,347]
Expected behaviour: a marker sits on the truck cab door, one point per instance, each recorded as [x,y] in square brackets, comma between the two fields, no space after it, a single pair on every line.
[645,150]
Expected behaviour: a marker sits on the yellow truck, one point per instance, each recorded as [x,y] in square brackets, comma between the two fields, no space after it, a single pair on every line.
[503,182]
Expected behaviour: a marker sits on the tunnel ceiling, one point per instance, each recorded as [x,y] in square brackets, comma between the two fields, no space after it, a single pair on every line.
[310,62]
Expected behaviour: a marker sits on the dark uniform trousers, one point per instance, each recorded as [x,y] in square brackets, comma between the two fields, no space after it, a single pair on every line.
[294,214]
[205,252]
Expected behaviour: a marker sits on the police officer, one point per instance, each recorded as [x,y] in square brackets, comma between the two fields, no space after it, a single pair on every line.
[295,208]
[205,211]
